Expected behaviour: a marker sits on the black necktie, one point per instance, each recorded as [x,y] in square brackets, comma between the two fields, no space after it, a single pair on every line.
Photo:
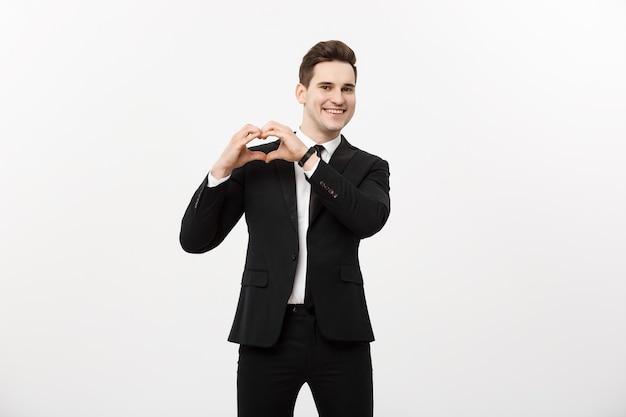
[313,198]
[318,150]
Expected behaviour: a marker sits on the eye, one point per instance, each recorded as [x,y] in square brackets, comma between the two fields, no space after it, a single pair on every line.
[347,89]
[325,87]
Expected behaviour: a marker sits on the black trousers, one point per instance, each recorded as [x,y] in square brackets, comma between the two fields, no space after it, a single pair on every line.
[339,374]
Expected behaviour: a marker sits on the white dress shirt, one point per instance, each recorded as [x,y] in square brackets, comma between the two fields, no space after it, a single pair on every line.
[303,194]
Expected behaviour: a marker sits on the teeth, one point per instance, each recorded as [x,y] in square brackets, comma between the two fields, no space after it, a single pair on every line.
[333,111]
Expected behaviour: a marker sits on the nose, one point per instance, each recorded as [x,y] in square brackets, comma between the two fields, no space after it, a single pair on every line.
[337,97]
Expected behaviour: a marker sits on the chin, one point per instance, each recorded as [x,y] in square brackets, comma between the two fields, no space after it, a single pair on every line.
[335,127]
[334,131]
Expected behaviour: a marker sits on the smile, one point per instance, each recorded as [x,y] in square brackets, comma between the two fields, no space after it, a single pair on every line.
[334,111]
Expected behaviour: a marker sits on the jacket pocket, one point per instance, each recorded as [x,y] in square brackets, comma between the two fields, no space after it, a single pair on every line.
[254,278]
[351,274]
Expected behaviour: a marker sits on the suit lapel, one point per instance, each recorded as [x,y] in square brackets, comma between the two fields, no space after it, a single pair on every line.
[287,176]
[338,161]
[342,155]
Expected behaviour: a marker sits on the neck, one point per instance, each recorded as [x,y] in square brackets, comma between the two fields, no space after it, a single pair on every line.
[319,137]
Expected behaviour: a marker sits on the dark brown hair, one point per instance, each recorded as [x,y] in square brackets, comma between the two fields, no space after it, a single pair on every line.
[324,52]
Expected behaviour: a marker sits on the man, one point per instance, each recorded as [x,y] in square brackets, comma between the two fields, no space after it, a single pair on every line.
[302,315]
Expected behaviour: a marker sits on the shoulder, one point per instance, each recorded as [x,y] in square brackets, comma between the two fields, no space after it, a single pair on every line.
[358,152]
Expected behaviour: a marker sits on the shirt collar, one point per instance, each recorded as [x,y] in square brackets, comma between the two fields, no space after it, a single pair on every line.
[330,146]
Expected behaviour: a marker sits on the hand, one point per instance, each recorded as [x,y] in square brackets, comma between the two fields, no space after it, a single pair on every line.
[237,153]
[291,148]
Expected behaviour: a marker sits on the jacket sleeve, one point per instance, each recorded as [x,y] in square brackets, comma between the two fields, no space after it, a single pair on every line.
[360,202]
[211,215]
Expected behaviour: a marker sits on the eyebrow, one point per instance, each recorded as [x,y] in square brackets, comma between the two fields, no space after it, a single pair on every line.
[329,83]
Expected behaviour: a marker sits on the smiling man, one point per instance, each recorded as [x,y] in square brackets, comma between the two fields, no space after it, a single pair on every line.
[308,198]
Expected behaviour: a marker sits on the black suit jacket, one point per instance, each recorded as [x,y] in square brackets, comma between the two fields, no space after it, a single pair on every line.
[352,203]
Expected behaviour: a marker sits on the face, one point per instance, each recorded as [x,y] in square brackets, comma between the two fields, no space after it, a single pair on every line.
[329,101]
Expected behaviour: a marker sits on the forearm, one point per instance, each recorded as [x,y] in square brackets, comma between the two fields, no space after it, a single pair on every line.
[210,216]
[362,207]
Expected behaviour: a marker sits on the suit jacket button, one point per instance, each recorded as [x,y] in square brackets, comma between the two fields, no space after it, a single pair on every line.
[294,256]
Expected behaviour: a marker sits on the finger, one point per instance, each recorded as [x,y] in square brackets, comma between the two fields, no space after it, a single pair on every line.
[257,156]
[268,125]
[275,129]
[271,156]
[251,127]
[247,134]
[267,130]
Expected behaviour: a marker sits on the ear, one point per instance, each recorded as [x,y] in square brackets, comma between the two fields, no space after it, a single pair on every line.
[301,93]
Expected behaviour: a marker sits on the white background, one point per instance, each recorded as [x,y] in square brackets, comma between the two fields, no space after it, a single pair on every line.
[497,288]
